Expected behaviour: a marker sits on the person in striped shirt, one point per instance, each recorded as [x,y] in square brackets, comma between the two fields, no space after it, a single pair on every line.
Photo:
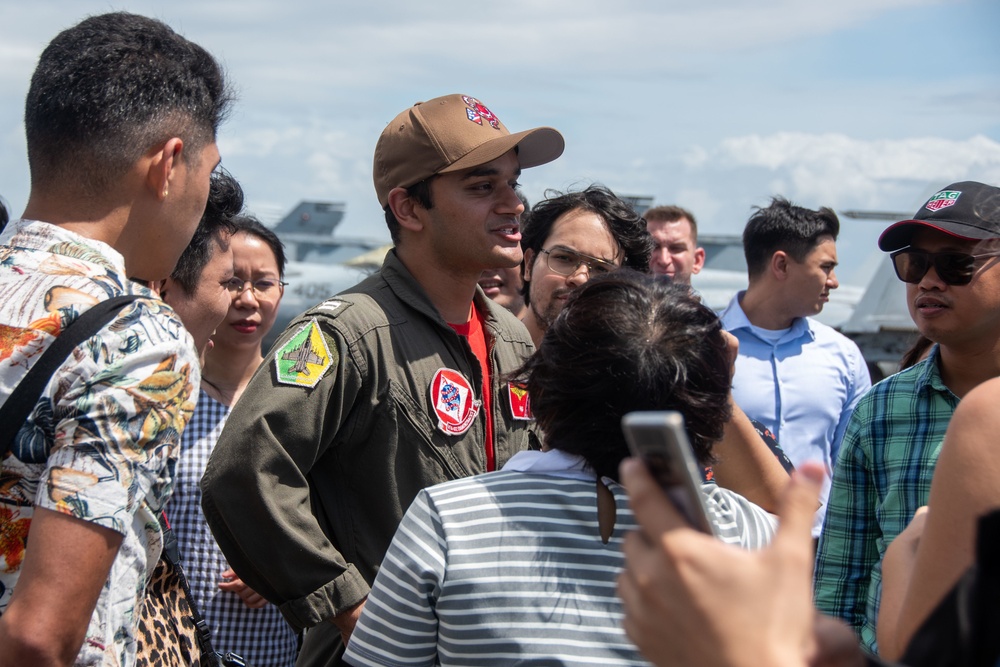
[519,566]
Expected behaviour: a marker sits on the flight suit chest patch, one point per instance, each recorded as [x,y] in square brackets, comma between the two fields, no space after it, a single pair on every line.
[454,401]
[305,358]
[520,404]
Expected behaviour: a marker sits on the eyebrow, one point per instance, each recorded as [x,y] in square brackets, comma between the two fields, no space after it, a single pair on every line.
[609,262]
[487,171]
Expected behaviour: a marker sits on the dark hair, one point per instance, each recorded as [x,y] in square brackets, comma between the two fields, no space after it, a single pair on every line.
[628,341]
[786,227]
[916,353]
[422,193]
[626,226]
[225,200]
[248,224]
[4,215]
[672,214]
[111,87]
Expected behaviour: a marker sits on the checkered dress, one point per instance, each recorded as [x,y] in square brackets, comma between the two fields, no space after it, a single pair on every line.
[261,636]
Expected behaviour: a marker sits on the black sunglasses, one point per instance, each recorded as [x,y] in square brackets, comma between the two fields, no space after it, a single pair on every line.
[953,268]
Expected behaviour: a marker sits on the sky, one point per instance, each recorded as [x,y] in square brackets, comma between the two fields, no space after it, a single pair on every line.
[716,106]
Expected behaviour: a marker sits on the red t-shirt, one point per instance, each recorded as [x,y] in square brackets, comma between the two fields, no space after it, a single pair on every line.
[473,331]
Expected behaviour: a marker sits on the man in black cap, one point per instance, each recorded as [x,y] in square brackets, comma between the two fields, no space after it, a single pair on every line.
[949,257]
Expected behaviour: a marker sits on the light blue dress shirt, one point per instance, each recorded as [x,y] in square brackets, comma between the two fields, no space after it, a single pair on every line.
[803,387]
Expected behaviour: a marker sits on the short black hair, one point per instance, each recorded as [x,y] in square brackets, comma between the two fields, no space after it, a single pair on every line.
[225,201]
[626,226]
[4,215]
[249,224]
[784,226]
[108,89]
[629,341]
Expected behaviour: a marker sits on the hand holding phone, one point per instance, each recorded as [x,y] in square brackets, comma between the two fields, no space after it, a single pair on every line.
[659,439]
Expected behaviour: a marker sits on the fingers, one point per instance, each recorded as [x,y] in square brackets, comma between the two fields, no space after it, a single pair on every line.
[253,599]
[233,584]
[653,511]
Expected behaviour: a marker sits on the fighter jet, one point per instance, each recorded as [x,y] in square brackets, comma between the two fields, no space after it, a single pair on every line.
[319,261]
[302,356]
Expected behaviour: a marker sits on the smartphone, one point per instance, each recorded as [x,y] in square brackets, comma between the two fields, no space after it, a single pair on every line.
[659,439]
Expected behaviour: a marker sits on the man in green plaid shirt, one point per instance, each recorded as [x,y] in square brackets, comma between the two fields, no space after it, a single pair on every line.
[949,256]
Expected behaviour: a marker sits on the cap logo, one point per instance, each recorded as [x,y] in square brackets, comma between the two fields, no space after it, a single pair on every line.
[943,199]
[454,401]
[477,112]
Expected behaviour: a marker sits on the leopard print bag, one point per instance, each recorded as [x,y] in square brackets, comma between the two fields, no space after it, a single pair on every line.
[167,632]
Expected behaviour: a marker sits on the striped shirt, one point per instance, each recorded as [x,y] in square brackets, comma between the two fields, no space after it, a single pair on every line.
[509,567]
[883,475]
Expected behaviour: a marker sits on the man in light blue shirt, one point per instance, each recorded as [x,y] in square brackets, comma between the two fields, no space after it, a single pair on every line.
[798,377]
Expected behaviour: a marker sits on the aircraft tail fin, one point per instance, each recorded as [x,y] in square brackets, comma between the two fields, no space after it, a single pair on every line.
[312,217]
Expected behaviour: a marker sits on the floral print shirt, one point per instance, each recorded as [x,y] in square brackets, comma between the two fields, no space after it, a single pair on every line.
[102,442]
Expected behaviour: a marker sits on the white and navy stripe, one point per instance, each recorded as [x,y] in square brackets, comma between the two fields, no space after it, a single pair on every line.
[510,567]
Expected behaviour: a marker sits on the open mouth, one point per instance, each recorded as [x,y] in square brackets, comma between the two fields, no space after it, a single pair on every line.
[491,286]
[511,232]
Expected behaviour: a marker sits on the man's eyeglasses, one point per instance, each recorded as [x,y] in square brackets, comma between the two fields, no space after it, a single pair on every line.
[265,287]
[565,262]
[953,268]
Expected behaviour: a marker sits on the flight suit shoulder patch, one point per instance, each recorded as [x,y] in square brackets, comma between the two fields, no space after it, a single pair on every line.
[331,308]
[305,358]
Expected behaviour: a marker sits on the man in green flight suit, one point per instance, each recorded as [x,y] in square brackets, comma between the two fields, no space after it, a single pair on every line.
[395,385]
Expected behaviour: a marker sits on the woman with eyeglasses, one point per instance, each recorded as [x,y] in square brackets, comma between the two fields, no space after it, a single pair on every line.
[240,619]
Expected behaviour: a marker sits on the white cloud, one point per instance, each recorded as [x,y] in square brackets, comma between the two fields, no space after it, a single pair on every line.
[846,172]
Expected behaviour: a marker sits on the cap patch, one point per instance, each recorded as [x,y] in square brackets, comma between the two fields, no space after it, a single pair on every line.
[305,358]
[454,401]
[943,199]
[520,403]
[477,112]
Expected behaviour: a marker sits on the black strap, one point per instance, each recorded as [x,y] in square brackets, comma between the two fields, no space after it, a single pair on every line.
[22,400]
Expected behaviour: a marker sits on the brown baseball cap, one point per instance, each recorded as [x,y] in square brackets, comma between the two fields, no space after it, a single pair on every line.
[452,133]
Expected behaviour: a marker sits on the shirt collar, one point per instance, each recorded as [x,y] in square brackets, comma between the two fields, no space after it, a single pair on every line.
[930,375]
[46,237]
[733,318]
[552,462]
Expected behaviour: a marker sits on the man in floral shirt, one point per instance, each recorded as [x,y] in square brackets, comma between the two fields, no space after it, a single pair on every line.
[120,118]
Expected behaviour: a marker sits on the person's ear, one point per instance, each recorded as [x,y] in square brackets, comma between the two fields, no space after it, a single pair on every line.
[164,160]
[779,264]
[526,266]
[699,260]
[406,209]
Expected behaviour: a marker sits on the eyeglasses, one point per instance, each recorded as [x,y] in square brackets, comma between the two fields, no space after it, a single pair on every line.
[265,287]
[566,262]
[953,268]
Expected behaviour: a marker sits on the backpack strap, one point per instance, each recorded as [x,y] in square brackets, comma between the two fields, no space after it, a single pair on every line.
[22,400]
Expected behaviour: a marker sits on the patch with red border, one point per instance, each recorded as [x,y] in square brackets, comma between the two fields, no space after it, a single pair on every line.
[454,401]
[520,403]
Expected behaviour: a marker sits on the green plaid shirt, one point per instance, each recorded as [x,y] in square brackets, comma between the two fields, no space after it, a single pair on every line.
[883,475]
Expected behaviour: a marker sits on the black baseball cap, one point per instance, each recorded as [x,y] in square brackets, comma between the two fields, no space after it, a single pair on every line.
[967,210]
